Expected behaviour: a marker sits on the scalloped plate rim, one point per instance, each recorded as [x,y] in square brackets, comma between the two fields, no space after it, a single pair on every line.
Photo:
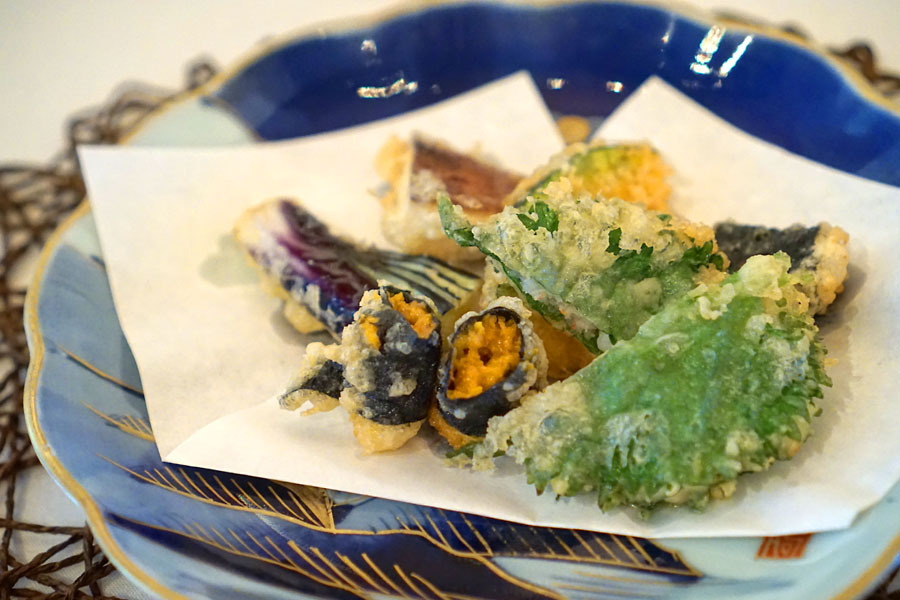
[74,489]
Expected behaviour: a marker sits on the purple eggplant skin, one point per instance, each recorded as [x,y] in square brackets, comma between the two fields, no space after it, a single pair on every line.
[322,268]
[328,276]
[404,355]
[470,415]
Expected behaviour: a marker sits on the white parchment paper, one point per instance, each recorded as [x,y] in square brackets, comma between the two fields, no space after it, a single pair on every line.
[211,347]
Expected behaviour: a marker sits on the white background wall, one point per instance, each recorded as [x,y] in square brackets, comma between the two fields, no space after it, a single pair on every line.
[60,56]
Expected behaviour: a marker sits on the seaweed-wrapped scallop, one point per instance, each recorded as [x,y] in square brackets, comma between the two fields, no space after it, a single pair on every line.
[387,362]
[494,358]
[818,253]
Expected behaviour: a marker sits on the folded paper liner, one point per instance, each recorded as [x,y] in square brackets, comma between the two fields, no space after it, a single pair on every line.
[213,350]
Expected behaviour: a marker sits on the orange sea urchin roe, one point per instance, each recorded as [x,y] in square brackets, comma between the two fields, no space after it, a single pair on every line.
[486,352]
[370,329]
[416,313]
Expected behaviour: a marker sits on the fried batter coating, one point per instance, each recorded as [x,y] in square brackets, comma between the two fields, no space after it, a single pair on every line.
[593,266]
[418,171]
[494,358]
[722,381]
[387,362]
[633,172]
[321,276]
[819,254]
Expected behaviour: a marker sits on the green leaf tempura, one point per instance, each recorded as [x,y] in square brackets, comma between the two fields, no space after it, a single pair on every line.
[596,267]
[721,381]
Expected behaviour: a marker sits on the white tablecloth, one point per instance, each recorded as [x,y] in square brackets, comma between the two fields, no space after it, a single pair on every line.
[59,57]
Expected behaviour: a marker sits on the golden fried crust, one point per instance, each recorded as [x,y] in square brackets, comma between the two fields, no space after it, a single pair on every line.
[418,171]
[634,172]
[375,437]
[454,437]
[831,260]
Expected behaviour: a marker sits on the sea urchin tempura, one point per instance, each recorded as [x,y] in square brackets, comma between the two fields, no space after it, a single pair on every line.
[493,359]
[387,365]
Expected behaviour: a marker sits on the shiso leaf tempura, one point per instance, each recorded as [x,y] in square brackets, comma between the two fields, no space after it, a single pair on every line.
[721,381]
[594,266]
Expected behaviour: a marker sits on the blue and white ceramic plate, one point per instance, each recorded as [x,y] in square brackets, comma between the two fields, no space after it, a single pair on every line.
[185,532]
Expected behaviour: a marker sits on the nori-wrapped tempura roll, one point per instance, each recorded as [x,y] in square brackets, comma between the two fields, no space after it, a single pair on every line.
[633,172]
[721,381]
[819,254]
[388,359]
[319,381]
[596,267]
[565,354]
[493,359]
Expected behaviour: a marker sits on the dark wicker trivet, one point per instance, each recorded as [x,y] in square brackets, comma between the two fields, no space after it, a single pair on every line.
[33,201]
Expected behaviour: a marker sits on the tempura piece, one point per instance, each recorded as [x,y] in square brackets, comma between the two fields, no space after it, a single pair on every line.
[565,354]
[319,381]
[387,360]
[720,382]
[322,278]
[596,267]
[632,172]
[421,169]
[819,254]
[493,359]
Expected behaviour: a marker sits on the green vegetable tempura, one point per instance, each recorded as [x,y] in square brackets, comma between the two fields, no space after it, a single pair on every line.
[596,267]
[721,381]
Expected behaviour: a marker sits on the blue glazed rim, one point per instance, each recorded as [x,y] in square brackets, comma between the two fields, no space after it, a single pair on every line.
[307,85]
[226,89]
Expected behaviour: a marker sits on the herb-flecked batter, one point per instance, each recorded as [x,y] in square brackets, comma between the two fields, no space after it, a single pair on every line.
[598,267]
[721,381]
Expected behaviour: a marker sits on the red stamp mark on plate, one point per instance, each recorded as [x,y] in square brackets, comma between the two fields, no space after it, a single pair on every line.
[783,547]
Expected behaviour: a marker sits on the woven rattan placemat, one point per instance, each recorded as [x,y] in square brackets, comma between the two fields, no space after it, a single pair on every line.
[34,199]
